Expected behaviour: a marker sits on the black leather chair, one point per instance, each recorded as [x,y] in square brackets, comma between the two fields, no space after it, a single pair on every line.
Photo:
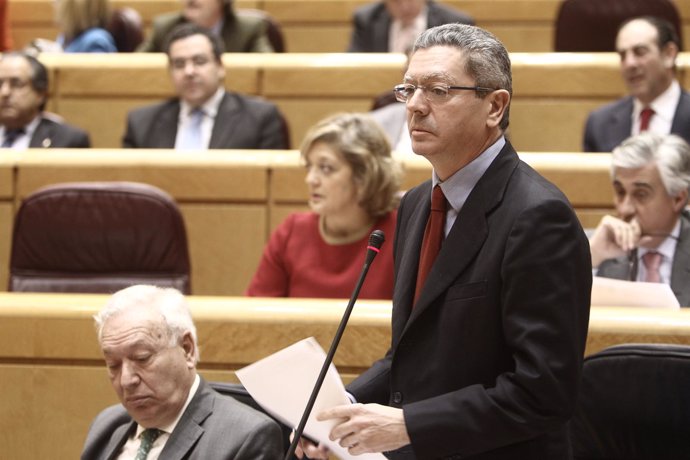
[98,237]
[127,29]
[634,404]
[591,25]
[237,391]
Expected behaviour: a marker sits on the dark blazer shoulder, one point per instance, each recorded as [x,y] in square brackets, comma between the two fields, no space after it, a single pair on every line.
[439,14]
[57,134]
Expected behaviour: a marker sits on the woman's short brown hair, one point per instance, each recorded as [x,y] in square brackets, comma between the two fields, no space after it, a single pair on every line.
[364,146]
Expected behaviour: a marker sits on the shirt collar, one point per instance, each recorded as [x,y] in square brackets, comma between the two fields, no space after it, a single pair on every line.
[210,107]
[664,105]
[171,426]
[667,248]
[458,186]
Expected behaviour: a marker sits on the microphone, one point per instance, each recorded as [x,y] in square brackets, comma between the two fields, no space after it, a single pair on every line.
[376,239]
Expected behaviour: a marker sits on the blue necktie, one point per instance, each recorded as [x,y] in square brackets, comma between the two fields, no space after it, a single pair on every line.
[190,137]
[11,136]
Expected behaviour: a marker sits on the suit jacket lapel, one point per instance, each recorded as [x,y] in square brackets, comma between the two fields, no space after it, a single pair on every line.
[42,136]
[621,122]
[680,271]
[118,439]
[681,119]
[164,129]
[226,122]
[469,230]
[189,429]
[381,32]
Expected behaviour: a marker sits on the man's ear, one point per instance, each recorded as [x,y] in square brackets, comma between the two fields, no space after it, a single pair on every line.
[668,54]
[680,200]
[498,100]
[189,348]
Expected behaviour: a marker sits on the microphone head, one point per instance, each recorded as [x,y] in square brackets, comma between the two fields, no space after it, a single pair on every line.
[376,239]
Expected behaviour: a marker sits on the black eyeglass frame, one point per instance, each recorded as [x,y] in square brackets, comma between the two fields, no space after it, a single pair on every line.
[398,88]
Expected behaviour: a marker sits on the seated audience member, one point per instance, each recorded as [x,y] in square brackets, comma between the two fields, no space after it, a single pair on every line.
[648,48]
[23,96]
[239,34]
[204,115]
[393,25]
[82,26]
[149,343]
[649,239]
[352,181]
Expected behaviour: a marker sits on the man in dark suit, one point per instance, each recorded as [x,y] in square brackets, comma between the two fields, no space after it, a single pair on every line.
[204,115]
[23,96]
[486,350]
[648,47]
[167,411]
[651,176]
[392,25]
[238,33]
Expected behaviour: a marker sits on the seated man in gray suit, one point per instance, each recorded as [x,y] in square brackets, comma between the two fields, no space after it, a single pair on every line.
[648,47]
[204,115]
[239,33]
[167,411]
[649,239]
[23,96]
[393,25]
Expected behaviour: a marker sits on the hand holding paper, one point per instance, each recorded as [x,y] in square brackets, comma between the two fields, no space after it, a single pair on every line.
[282,382]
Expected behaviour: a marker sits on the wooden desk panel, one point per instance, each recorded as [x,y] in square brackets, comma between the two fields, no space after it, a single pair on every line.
[54,381]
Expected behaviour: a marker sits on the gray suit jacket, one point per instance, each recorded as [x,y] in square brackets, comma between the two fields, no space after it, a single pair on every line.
[487,364]
[240,33]
[620,268]
[52,134]
[213,427]
[242,122]
[372,22]
[611,124]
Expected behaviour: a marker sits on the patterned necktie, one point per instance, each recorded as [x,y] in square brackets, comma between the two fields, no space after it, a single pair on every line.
[11,136]
[148,437]
[190,137]
[433,237]
[645,116]
[652,261]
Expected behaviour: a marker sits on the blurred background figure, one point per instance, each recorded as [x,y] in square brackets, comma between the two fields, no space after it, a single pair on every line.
[23,96]
[353,183]
[238,33]
[203,115]
[393,25]
[83,28]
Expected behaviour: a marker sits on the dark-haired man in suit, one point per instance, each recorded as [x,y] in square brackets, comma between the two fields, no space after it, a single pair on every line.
[648,47]
[393,25]
[489,331]
[204,115]
[23,96]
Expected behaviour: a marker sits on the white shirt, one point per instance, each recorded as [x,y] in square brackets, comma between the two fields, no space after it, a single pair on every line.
[22,141]
[667,249]
[129,450]
[664,108]
[210,109]
[401,37]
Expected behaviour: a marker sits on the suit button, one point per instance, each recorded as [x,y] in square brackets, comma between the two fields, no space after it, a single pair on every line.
[397,397]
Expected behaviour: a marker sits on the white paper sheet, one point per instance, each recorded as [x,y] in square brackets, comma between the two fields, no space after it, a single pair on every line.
[282,383]
[607,292]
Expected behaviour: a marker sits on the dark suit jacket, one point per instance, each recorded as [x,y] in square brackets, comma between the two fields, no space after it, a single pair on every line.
[488,363]
[372,22]
[611,124]
[52,134]
[242,122]
[619,268]
[240,33]
[213,427]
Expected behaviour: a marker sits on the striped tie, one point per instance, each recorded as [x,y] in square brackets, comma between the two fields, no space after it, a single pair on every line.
[148,437]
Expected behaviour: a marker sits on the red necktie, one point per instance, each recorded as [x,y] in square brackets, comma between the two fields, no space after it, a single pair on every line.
[645,116]
[433,237]
[652,261]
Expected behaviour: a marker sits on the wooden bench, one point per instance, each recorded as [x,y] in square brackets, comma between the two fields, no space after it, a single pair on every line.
[232,200]
[54,382]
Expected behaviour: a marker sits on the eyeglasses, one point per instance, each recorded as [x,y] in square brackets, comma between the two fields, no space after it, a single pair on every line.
[436,93]
[14,82]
